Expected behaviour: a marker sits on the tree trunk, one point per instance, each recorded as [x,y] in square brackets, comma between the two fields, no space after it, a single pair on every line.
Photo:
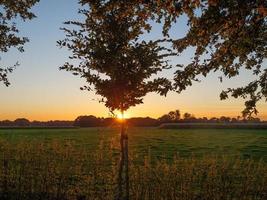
[123,173]
[126,167]
[119,194]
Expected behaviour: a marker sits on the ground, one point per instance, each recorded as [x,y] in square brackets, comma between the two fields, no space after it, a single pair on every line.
[158,142]
[71,164]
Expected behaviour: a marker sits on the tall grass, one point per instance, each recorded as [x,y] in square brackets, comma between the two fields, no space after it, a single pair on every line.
[59,171]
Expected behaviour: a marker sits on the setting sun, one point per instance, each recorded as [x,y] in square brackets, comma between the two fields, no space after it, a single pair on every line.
[121,116]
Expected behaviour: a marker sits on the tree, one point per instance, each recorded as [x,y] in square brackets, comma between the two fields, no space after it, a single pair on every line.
[87,121]
[22,122]
[225,119]
[172,116]
[188,116]
[227,36]
[234,120]
[142,122]
[115,62]
[165,118]
[10,10]
[175,115]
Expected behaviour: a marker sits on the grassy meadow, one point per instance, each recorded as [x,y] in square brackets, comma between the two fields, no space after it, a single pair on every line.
[158,142]
[164,164]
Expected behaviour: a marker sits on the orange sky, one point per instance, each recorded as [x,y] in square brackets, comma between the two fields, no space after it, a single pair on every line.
[198,100]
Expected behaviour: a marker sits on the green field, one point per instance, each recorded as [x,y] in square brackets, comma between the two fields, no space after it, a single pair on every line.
[185,164]
[159,142]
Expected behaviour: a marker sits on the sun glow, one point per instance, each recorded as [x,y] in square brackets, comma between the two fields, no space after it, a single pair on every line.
[121,116]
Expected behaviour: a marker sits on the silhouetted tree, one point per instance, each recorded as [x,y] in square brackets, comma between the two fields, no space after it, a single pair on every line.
[87,121]
[175,115]
[10,10]
[172,116]
[225,119]
[6,123]
[165,118]
[234,120]
[253,119]
[142,121]
[188,116]
[22,122]
[230,35]
[110,121]
[205,119]
[116,62]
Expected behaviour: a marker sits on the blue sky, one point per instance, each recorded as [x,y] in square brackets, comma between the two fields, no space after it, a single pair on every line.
[40,91]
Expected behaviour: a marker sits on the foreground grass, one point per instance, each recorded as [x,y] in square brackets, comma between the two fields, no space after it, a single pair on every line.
[63,170]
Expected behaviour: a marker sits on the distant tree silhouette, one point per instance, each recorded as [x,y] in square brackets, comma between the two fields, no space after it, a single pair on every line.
[225,119]
[172,116]
[87,121]
[234,120]
[188,116]
[58,123]
[22,122]
[164,118]
[110,121]
[9,10]
[205,119]
[142,121]
[116,62]
[6,123]
[92,121]
[253,119]
[214,119]
[175,115]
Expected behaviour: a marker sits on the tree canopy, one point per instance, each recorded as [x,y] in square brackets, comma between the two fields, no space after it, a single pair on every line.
[113,58]
[227,36]
[10,10]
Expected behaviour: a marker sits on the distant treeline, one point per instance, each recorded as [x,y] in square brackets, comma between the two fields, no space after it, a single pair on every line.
[176,117]
[93,121]
[22,122]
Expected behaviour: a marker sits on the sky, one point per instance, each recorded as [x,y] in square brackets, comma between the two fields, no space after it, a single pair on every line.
[40,91]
